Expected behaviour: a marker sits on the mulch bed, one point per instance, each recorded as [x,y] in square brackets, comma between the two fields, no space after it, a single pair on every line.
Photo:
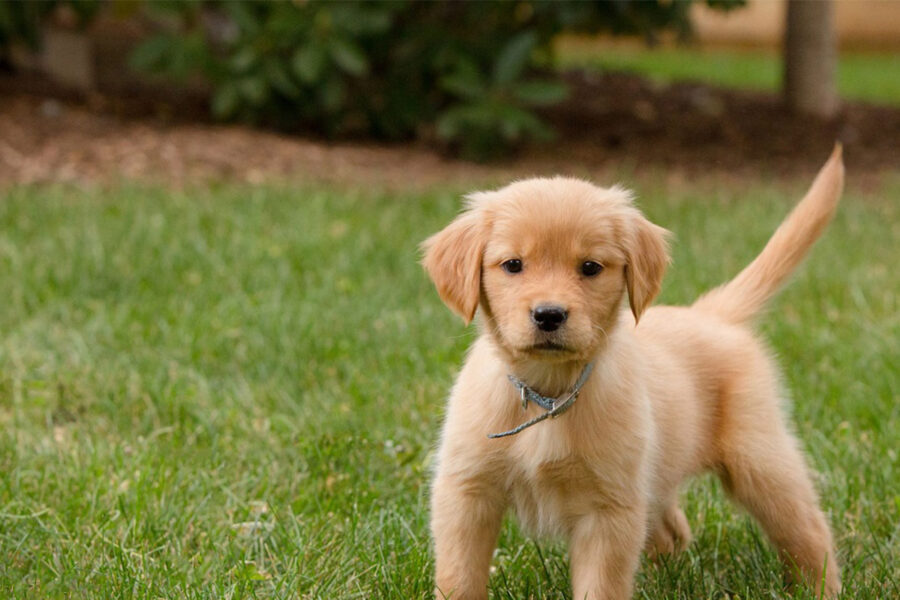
[697,127]
[49,135]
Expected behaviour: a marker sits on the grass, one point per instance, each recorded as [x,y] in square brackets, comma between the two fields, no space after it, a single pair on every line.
[234,393]
[867,76]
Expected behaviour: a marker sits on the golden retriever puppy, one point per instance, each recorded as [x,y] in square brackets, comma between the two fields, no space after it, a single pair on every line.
[585,418]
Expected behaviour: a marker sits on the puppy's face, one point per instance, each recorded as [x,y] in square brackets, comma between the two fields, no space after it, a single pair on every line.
[548,261]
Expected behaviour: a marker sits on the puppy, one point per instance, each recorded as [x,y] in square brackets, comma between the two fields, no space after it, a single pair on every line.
[585,418]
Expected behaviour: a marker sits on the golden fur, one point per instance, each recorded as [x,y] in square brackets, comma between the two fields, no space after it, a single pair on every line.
[675,390]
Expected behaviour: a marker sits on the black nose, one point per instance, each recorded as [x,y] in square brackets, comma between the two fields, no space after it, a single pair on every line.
[549,317]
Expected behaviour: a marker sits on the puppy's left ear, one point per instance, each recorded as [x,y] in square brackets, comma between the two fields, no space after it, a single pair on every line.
[648,257]
[453,260]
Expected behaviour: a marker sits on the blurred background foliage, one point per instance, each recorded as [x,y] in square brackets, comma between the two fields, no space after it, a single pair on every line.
[466,74]
[20,20]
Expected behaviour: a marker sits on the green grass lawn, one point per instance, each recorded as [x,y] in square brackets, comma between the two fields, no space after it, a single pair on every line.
[868,76]
[234,393]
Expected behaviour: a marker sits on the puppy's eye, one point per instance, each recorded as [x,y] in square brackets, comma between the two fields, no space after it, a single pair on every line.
[590,268]
[513,265]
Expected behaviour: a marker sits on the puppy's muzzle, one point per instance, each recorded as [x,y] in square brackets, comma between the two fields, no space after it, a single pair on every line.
[549,317]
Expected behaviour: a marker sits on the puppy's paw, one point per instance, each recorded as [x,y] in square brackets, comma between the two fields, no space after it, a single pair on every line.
[671,534]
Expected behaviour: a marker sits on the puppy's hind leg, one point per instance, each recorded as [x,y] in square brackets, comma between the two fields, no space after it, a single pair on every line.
[669,531]
[764,470]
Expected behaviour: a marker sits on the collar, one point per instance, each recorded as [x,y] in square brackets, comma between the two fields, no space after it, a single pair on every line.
[552,406]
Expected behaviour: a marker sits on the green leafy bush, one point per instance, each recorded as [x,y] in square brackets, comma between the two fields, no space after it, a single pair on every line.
[460,73]
[464,73]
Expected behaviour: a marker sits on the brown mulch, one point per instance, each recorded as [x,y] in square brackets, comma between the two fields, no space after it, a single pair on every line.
[700,128]
[609,120]
[47,140]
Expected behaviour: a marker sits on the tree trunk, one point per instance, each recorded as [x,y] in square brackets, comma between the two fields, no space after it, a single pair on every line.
[810,57]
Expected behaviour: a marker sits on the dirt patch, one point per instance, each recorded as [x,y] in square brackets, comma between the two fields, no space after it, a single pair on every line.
[700,128]
[610,120]
[63,138]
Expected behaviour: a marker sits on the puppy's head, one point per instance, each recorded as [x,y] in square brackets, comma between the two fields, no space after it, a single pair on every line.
[548,261]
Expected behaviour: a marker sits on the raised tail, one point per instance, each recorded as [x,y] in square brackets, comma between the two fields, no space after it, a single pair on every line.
[743,297]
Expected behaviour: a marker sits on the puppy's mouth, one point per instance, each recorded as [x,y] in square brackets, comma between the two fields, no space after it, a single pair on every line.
[548,346]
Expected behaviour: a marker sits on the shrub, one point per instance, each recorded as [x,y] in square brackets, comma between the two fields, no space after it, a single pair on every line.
[464,73]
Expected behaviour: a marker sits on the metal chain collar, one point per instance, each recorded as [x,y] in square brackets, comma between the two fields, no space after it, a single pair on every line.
[548,404]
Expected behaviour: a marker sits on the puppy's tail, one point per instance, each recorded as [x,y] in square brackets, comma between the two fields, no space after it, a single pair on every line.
[743,297]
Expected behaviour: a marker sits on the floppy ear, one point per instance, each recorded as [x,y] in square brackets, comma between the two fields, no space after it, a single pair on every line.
[648,256]
[453,261]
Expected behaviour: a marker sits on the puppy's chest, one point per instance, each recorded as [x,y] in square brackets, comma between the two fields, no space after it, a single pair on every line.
[549,490]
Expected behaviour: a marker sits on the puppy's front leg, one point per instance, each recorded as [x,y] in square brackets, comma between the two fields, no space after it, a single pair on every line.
[605,550]
[465,520]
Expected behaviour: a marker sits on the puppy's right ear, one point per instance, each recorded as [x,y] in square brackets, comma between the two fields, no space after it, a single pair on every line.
[453,261]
